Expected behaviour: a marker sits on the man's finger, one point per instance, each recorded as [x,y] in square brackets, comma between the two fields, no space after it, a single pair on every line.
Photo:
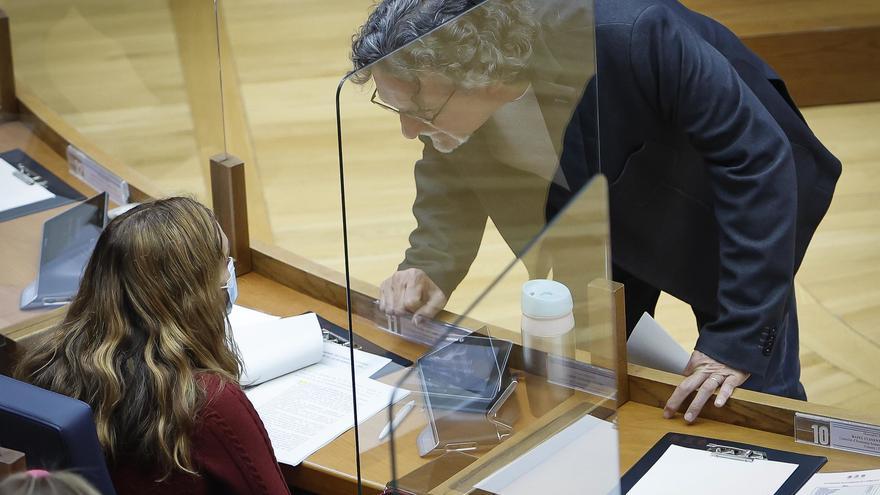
[705,391]
[395,304]
[435,303]
[726,391]
[412,297]
[681,392]
[384,295]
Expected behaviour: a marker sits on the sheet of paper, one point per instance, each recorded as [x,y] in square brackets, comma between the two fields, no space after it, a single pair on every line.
[683,470]
[849,483]
[651,345]
[254,342]
[16,192]
[582,458]
[277,347]
[242,317]
[365,364]
[307,409]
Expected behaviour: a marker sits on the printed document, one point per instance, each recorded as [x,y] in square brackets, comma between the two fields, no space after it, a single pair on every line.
[271,347]
[301,385]
[683,470]
[851,483]
[307,409]
[17,192]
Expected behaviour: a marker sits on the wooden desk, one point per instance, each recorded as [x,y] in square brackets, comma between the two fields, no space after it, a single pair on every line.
[332,469]
[20,246]
[640,426]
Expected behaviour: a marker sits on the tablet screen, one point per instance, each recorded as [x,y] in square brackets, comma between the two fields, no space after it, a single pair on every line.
[469,368]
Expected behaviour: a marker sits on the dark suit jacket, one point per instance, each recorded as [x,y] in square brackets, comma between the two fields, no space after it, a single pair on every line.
[716,182]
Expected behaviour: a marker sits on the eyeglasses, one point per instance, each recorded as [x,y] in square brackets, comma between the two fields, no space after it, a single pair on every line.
[419,114]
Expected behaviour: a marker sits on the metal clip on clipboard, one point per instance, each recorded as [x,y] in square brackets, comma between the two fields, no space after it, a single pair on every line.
[735,453]
[30,178]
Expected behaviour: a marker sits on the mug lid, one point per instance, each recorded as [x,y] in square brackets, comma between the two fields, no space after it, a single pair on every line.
[546,299]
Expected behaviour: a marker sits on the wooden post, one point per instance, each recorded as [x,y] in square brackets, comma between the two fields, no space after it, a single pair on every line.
[8,103]
[11,462]
[608,331]
[230,207]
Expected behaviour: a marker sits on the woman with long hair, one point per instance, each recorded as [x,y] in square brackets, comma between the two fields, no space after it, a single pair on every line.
[145,343]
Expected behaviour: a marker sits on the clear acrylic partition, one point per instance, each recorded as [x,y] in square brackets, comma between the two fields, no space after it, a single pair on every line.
[472,216]
[135,85]
[505,408]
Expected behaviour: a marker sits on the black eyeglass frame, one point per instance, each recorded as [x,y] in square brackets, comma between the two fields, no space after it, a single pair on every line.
[430,121]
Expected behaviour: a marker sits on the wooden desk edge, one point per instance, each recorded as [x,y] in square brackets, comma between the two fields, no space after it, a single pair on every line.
[745,408]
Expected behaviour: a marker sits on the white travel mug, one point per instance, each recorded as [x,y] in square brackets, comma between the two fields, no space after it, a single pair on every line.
[547,331]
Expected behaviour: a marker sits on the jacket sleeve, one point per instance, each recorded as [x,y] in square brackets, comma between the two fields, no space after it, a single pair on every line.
[752,174]
[232,446]
[450,221]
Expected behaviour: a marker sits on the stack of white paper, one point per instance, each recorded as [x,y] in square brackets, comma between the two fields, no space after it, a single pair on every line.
[275,348]
[301,386]
[271,347]
[243,317]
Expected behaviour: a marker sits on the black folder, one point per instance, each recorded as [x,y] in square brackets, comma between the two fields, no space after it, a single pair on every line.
[808,465]
[64,194]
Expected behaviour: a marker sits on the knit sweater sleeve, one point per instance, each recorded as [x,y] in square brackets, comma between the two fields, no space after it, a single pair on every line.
[231,446]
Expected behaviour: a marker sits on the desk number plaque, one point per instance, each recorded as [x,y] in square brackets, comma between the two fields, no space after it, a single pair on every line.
[837,434]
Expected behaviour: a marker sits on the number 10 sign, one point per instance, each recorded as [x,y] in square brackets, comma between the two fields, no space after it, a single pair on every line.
[837,434]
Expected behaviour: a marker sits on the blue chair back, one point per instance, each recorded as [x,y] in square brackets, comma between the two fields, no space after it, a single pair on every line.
[54,432]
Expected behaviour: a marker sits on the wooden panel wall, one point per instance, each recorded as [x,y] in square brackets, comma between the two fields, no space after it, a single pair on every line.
[827,52]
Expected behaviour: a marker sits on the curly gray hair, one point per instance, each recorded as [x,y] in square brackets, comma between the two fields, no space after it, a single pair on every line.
[491,44]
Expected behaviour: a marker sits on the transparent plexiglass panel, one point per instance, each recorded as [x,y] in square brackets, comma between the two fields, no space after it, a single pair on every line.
[490,136]
[506,408]
[134,85]
[440,249]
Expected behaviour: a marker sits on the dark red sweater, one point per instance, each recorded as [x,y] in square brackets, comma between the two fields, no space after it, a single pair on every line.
[231,452]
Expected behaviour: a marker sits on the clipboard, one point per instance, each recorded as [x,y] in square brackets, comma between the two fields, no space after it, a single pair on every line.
[339,335]
[808,465]
[64,194]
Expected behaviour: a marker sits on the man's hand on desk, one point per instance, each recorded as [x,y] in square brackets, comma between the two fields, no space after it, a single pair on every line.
[411,291]
[704,375]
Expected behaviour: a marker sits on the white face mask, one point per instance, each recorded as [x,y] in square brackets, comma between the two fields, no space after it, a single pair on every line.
[231,286]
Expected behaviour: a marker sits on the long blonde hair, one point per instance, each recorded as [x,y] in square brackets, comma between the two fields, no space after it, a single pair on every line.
[148,318]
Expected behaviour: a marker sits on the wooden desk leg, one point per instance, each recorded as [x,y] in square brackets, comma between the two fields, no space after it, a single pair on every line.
[11,462]
[8,103]
[230,207]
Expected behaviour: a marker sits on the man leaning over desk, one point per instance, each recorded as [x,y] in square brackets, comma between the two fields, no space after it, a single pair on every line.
[717,183]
